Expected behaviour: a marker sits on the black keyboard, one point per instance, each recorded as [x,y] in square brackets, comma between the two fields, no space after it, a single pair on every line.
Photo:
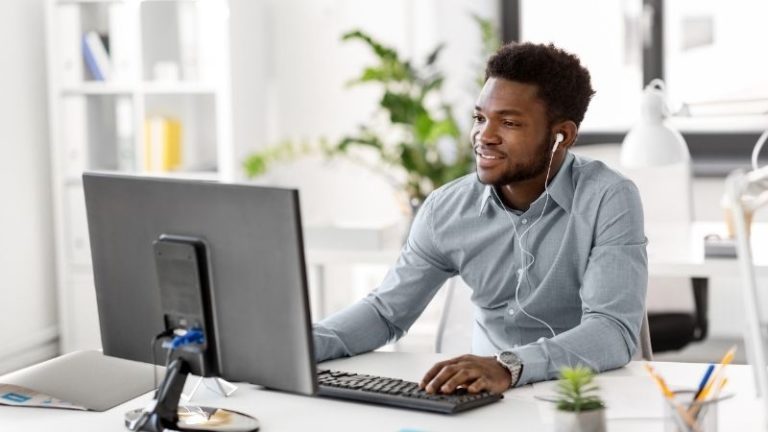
[396,392]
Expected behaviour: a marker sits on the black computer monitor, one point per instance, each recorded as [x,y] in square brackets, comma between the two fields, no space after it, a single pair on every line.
[253,237]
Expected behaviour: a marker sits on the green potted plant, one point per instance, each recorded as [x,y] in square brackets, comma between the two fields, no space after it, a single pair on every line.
[414,135]
[579,408]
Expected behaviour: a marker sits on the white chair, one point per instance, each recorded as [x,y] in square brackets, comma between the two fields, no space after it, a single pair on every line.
[454,332]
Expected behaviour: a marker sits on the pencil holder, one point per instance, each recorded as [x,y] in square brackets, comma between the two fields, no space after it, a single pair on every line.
[682,414]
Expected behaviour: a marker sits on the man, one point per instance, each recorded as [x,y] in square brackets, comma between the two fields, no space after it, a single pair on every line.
[551,244]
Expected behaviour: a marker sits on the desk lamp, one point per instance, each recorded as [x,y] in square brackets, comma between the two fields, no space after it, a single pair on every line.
[652,142]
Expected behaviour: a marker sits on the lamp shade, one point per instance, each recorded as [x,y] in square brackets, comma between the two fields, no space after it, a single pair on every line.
[653,142]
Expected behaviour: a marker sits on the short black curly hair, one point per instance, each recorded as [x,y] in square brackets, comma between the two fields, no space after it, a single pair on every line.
[563,83]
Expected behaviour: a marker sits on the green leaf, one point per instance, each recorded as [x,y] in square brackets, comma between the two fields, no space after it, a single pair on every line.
[414,160]
[390,69]
[489,34]
[258,163]
[347,142]
[402,108]
[431,85]
[383,52]
[254,165]
[432,57]
[374,74]
[423,127]
[446,127]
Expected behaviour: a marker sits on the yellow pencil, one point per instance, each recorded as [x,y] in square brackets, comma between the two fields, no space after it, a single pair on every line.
[659,382]
[720,386]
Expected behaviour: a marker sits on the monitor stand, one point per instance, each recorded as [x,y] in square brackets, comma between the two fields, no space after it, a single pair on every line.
[164,412]
[223,387]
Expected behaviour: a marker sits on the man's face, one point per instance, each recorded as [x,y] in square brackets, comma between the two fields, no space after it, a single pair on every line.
[510,136]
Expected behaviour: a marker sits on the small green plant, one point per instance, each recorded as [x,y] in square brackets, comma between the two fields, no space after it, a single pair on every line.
[576,390]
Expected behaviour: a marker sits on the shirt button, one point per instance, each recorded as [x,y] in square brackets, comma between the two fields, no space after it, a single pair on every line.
[524,221]
[511,311]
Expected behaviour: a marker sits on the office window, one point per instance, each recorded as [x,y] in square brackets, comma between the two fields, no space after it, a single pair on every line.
[714,58]
[605,34]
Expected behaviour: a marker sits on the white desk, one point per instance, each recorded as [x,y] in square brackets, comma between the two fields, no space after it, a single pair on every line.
[673,250]
[517,411]
[676,251]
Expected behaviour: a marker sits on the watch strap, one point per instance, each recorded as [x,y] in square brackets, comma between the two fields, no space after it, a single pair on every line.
[515,366]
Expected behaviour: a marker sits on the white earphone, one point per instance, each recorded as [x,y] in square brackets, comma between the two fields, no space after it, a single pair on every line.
[558,139]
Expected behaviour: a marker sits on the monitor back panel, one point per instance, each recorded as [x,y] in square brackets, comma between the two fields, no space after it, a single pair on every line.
[261,307]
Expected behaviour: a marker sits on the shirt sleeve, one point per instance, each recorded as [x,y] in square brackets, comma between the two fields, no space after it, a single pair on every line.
[390,310]
[612,294]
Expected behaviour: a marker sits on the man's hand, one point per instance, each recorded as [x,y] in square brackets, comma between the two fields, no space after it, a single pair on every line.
[472,372]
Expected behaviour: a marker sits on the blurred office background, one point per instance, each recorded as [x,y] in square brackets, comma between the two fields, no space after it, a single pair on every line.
[229,78]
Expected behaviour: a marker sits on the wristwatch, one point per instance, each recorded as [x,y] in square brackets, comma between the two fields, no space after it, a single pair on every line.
[512,362]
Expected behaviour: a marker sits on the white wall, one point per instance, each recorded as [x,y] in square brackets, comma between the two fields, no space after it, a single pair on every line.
[27,302]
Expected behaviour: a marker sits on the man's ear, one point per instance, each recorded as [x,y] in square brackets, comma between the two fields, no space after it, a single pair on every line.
[569,131]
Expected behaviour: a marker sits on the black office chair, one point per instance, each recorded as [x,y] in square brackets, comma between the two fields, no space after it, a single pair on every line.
[671,331]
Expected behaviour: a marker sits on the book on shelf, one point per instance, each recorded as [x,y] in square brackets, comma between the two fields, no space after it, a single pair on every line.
[96,56]
[162,144]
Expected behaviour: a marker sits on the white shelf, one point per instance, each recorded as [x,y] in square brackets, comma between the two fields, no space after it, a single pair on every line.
[64,2]
[177,88]
[186,175]
[148,88]
[97,88]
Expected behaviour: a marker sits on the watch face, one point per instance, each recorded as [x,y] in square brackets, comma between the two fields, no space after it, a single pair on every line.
[508,358]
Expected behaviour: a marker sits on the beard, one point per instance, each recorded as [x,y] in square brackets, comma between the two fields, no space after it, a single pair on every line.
[520,172]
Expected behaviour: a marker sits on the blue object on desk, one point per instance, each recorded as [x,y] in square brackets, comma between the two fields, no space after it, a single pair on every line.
[704,380]
[15,397]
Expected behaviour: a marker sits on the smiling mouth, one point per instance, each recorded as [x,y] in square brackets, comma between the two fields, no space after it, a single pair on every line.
[488,156]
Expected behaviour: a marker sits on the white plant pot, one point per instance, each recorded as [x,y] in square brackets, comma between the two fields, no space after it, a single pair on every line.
[584,421]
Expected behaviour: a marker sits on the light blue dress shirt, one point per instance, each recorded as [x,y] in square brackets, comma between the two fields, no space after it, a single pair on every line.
[587,281]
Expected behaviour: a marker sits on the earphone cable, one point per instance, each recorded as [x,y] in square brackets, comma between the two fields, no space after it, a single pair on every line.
[524,267]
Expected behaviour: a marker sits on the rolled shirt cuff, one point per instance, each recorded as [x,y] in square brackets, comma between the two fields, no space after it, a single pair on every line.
[534,364]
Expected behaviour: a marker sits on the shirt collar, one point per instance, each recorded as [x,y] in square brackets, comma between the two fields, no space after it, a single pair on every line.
[487,194]
[560,189]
